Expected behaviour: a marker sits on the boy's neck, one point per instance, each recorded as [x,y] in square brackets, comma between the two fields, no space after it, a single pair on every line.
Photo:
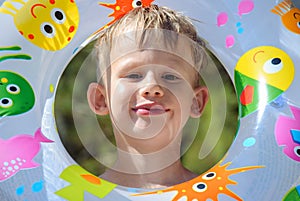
[140,156]
[135,168]
[169,176]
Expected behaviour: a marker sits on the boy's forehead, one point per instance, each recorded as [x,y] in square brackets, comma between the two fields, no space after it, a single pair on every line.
[151,58]
[152,39]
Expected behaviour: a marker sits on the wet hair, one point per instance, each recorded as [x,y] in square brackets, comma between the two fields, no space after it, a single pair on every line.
[166,24]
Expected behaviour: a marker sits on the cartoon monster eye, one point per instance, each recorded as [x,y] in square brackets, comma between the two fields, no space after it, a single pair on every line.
[273,65]
[58,15]
[297,150]
[199,187]
[6,102]
[48,30]
[13,89]
[209,176]
[298,24]
[136,3]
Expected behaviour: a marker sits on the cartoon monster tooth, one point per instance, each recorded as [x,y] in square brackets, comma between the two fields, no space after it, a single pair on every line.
[16,94]
[290,15]
[18,152]
[48,24]
[261,75]
[296,136]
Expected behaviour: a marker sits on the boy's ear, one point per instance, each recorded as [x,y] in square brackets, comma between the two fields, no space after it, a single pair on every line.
[199,101]
[96,99]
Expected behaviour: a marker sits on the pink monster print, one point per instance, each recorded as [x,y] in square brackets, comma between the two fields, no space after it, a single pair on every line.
[17,153]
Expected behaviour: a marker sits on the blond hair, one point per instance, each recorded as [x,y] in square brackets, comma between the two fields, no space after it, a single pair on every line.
[152,18]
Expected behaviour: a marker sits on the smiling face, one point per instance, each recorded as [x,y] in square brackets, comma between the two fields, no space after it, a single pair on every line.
[151,91]
[149,94]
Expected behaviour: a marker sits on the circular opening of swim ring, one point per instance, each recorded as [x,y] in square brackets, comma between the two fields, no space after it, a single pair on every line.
[149,82]
[90,140]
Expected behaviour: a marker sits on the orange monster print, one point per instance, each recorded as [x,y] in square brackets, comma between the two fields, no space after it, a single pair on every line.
[290,15]
[121,7]
[206,186]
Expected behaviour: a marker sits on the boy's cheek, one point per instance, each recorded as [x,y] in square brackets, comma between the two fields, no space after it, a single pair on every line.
[121,95]
[179,90]
[120,88]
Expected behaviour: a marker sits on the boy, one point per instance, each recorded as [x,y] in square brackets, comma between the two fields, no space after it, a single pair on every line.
[149,60]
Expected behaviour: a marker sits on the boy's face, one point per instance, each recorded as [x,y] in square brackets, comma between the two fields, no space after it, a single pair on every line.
[150,94]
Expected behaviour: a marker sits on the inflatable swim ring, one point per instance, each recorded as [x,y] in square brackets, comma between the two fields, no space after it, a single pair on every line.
[256,41]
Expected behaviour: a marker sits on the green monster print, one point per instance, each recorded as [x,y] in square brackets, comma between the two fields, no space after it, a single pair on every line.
[16,94]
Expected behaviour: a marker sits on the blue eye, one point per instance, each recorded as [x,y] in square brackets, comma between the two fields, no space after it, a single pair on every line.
[134,76]
[170,77]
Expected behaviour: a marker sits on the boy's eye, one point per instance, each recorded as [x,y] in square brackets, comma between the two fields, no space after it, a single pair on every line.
[170,77]
[134,76]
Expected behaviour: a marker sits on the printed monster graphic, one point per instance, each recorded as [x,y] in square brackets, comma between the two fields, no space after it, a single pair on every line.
[290,15]
[48,24]
[17,153]
[80,181]
[287,133]
[26,189]
[16,94]
[293,194]
[13,56]
[261,75]
[121,7]
[208,185]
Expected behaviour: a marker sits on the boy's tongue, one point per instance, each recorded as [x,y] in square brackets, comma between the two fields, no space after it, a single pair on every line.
[153,109]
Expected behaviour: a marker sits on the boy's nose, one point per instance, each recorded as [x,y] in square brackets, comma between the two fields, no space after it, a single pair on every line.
[152,91]
[151,88]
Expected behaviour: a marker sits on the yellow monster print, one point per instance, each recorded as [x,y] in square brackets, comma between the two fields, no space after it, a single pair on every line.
[48,24]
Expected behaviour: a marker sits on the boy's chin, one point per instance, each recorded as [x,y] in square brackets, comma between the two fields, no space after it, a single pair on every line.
[148,127]
[142,126]
[155,128]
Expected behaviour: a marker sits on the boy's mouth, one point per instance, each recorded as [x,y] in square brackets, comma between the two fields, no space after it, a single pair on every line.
[149,109]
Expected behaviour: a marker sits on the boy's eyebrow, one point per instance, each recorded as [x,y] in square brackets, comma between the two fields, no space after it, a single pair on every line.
[132,62]
[126,64]
[171,60]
